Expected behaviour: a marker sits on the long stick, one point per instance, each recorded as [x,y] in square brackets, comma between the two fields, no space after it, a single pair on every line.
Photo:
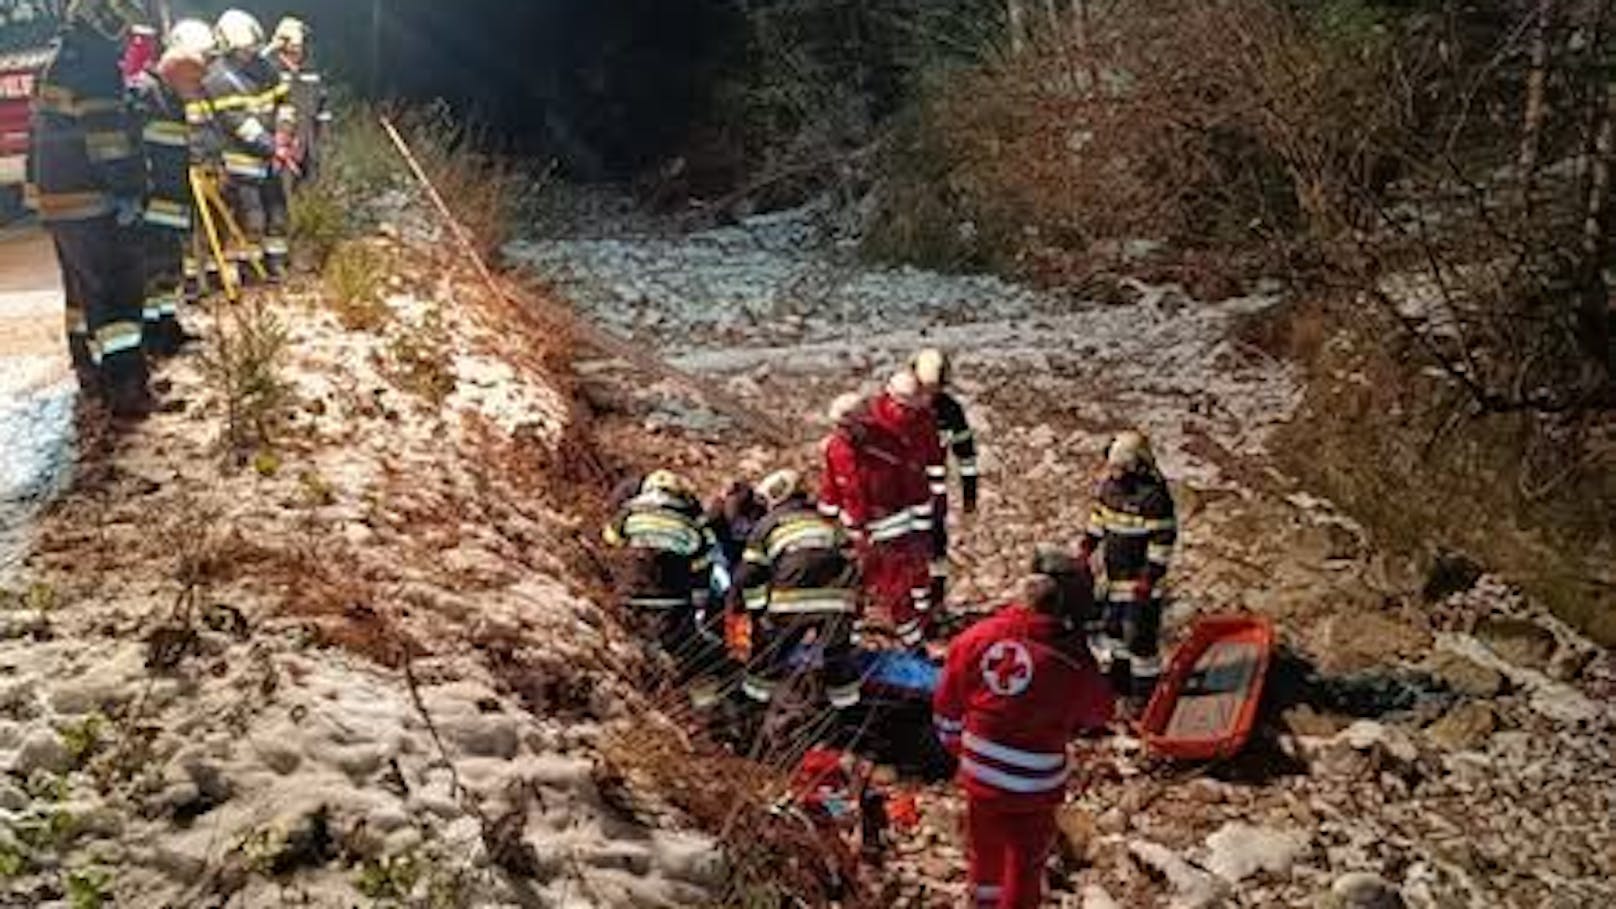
[587,333]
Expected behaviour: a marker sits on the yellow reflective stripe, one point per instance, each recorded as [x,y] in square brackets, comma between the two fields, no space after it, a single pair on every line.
[109,145]
[71,206]
[166,213]
[755,556]
[1159,554]
[57,99]
[116,337]
[806,533]
[611,535]
[166,132]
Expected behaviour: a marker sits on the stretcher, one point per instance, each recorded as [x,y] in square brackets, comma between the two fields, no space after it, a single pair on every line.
[1206,704]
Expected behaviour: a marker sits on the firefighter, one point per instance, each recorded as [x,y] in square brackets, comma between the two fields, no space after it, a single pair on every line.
[245,93]
[1134,526]
[1015,689]
[867,484]
[731,517]
[192,41]
[933,368]
[159,96]
[903,413]
[86,179]
[798,581]
[658,522]
[305,111]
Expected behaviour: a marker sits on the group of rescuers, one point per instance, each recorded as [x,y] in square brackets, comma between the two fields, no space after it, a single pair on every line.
[870,551]
[125,123]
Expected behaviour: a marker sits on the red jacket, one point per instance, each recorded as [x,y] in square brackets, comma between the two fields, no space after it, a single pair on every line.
[866,480]
[924,476]
[1017,687]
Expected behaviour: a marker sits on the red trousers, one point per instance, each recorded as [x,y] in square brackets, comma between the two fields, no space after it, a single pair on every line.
[1008,849]
[897,579]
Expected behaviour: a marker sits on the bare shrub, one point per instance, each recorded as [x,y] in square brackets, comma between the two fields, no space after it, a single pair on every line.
[483,189]
[245,362]
[353,279]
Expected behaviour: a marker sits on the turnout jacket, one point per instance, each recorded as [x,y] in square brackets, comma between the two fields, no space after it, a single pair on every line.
[304,108]
[1135,523]
[245,96]
[669,549]
[83,157]
[1016,688]
[955,434]
[798,562]
[167,140]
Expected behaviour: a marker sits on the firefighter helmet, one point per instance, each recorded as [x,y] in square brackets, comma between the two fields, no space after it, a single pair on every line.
[193,37]
[1130,451]
[109,17]
[669,482]
[779,486]
[239,31]
[932,367]
[844,405]
[290,32]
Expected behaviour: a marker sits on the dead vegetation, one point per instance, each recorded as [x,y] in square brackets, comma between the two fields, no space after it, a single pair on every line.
[353,278]
[245,363]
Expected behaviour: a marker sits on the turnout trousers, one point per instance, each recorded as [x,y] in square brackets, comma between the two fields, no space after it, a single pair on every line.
[165,251]
[1008,848]
[897,582]
[1132,636]
[260,207]
[101,266]
[777,637]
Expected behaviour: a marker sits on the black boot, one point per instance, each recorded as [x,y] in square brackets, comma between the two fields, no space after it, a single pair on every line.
[129,399]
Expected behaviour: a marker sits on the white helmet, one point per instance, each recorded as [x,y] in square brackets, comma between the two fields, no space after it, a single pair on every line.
[1130,451]
[290,32]
[240,31]
[904,387]
[931,367]
[666,481]
[844,405]
[193,37]
[779,486]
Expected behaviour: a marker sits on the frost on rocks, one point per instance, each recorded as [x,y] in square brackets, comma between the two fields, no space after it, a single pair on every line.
[1238,851]
[1192,887]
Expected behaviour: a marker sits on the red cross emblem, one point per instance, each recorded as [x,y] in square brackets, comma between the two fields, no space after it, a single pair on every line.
[1007,668]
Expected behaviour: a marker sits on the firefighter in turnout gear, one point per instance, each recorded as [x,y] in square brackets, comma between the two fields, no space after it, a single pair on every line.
[1134,527]
[86,180]
[867,484]
[191,48]
[1016,688]
[159,96]
[799,582]
[669,552]
[305,111]
[933,369]
[246,94]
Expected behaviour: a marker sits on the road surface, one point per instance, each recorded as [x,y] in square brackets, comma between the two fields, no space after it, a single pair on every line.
[36,387]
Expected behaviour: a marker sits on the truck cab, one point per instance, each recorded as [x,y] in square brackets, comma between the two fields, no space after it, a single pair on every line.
[26,30]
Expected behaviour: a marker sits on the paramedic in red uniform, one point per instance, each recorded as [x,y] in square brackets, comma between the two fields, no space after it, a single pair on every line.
[1016,689]
[904,413]
[868,484]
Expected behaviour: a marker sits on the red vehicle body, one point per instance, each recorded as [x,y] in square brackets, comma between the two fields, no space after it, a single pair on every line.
[26,30]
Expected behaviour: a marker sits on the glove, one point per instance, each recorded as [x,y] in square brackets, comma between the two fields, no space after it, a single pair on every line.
[968,488]
[288,160]
[126,211]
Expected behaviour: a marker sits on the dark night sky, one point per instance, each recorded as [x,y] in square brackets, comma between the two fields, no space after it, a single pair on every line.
[628,77]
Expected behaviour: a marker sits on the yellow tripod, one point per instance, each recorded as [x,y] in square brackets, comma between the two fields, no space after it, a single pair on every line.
[210,205]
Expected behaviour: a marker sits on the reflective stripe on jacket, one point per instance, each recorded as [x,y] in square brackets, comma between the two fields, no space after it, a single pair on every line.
[82,155]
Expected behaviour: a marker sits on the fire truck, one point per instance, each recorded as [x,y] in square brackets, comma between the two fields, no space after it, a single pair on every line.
[26,30]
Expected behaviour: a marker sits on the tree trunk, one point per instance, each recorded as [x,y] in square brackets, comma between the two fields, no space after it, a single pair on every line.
[1537,79]
[1016,13]
[1593,310]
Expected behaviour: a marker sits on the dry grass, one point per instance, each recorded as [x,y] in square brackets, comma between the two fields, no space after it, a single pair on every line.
[483,190]
[420,359]
[319,223]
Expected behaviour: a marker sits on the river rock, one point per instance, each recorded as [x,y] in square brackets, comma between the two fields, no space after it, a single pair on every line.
[1192,888]
[1519,641]
[1466,676]
[1465,727]
[1238,851]
[41,750]
[1361,890]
